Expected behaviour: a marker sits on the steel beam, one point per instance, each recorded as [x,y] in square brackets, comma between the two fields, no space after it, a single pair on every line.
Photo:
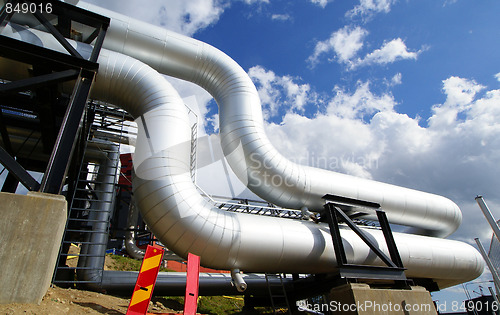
[18,171]
[489,217]
[394,269]
[32,54]
[57,168]
[38,81]
[389,238]
[57,35]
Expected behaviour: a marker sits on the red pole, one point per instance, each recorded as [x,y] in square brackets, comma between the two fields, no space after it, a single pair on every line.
[192,282]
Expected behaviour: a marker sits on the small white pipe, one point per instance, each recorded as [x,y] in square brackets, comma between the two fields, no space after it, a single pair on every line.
[238,281]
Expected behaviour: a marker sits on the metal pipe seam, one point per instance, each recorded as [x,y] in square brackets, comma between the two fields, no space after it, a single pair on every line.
[186,222]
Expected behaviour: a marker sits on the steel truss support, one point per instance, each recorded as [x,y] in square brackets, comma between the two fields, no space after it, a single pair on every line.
[18,171]
[63,67]
[394,269]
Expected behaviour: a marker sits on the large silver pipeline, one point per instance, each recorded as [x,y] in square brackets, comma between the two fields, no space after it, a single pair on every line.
[249,152]
[186,222]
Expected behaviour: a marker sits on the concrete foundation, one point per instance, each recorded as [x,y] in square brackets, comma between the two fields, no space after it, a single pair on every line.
[31,229]
[361,299]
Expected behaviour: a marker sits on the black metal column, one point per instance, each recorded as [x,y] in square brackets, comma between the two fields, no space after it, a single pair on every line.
[57,168]
[17,170]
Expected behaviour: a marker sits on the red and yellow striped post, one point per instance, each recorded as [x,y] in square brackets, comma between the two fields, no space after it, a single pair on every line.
[145,281]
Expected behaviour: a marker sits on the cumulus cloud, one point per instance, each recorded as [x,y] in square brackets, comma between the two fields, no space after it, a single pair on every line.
[390,52]
[185,17]
[396,79]
[459,96]
[344,44]
[359,104]
[280,91]
[280,17]
[456,153]
[367,8]
[321,3]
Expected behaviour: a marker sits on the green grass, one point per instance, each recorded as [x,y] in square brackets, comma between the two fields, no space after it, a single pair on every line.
[127,264]
[206,304]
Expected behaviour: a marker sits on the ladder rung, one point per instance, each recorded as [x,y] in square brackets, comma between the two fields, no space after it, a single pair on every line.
[82,255]
[95,190]
[76,281]
[86,220]
[92,200]
[91,210]
[79,268]
[84,231]
[73,242]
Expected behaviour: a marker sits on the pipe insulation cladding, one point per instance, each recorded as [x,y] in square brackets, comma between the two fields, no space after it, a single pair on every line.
[185,222]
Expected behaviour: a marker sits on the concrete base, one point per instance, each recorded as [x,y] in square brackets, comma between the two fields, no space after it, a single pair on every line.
[361,299]
[31,229]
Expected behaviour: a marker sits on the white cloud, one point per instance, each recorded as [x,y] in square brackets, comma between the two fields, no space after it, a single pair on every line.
[390,52]
[459,96]
[497,76]
[360,103]
[255,1]
[397,79]
[447,2]
[345,43]
[367,8]
[321,3]
[185,17]
[280,17]
[279,91]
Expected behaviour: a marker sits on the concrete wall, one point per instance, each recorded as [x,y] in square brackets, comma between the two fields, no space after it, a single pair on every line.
[31,229]
[357,298]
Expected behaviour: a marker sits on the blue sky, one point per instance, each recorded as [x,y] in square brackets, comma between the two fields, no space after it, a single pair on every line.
[400,91]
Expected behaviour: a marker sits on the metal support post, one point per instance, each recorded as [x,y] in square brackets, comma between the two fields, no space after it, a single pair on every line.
[494,273]
[488,216]
[57,168]
[389,238]
[338,246]
[18,171]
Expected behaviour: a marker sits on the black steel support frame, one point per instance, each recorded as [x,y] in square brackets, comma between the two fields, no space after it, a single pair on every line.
[394,269]
[67,67]
[18,171]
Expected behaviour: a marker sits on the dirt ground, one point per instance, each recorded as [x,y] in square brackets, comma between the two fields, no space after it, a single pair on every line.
[71,301]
